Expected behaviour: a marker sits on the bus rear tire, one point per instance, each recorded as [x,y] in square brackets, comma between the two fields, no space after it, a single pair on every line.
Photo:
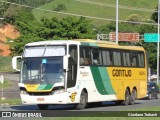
[43,106]
[127,98]
[133,97]
[83,101]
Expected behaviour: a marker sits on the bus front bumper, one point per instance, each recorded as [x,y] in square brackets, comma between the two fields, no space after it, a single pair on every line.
[62,98]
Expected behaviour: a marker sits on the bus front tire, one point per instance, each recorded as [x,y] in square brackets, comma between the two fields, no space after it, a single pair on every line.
[43,106]
[83,101]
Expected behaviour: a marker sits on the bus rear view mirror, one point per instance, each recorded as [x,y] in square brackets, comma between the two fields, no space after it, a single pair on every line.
[15,61]
[65,62]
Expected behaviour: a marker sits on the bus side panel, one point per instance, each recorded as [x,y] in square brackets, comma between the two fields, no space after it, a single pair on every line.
[97,83]
[121,78]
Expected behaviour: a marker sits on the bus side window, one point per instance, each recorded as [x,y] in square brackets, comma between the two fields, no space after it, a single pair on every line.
[126,59]
[141,59]
[106,57]
[96,56]
[134,59]
[117,58]
[86,61]
[81,61]
[134,63]
[85,56]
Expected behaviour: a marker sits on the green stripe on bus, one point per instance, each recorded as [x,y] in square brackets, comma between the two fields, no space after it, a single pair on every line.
[106,80]
[89,44]
[98,80]
[45,87]
[48,87]
[102,80]
[41,87]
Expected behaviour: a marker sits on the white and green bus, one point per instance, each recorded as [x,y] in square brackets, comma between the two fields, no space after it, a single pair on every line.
[81,72]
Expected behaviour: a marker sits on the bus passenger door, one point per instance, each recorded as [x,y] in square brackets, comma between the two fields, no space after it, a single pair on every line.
[72,65]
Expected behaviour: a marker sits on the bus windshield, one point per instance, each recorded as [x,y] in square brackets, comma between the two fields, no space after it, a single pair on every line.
[48,70]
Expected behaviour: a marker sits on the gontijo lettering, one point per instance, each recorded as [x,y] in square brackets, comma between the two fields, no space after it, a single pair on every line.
[121,73]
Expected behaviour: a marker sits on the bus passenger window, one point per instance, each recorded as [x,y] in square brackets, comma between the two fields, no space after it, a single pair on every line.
[141,59]
[126,59]
[134,59]
[96,56]
[85,56]
[117,58]
[86,61]
[134,63]
[107,57]
[81,61]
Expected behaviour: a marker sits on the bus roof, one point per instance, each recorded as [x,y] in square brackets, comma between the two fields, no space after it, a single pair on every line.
[108,44]
[85,42]
[52,42]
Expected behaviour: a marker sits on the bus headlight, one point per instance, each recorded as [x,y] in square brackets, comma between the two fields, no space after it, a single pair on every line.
[57,91]
[24,92]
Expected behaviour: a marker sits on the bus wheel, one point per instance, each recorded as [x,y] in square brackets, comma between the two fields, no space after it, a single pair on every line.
[126,101]
[83,101]
[133,96]
[43,106]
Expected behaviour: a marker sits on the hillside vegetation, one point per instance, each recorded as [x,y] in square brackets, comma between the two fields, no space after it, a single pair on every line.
[33,28]
[106,9]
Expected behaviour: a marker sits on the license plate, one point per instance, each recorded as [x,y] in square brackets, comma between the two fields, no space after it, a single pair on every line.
[40,99]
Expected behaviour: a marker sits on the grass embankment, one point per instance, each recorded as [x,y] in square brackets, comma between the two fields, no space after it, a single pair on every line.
[10,102]
[5,84]
[104,10]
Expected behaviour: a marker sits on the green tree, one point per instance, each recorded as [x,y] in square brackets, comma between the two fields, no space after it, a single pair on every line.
[10,12]
[67,28]
[134,18]
[49,29]
[26,24]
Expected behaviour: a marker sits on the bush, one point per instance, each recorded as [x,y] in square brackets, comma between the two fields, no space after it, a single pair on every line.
[5,64]
[60,7]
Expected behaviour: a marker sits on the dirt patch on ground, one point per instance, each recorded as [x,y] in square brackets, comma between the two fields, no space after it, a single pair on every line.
[7,31]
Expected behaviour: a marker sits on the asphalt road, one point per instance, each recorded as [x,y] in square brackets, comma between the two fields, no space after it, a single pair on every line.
[106,106]
[11,76]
